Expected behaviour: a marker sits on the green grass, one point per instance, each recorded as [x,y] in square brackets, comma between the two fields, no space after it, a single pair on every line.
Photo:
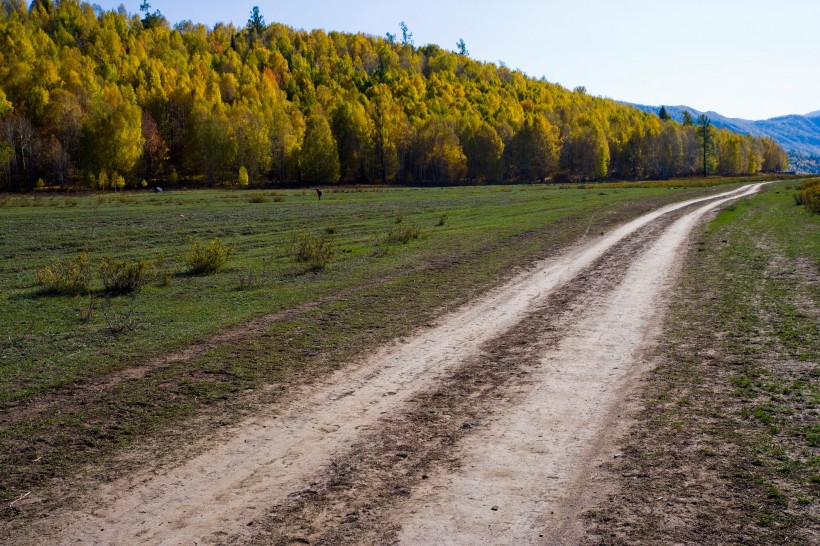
[47,345]
[50,342]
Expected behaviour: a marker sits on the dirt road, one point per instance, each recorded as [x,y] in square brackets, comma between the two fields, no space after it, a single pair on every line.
[483,427]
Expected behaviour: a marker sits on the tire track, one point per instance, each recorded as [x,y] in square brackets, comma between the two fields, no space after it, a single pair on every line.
[351,502]
[528,476]
[276,454]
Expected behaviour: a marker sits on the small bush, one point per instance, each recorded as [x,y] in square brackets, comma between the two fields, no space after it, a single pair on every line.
[119,320]
[381,247]
[400,218]
[257,198]
[126,199]
[403,233]
[246,278]
[809,195]
[207,259]
[317,252]
[120,277]
[278,198]
[72,277]
[70,202]
[442,219]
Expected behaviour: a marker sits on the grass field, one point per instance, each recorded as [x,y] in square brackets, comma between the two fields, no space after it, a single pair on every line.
[66,394]
[729,443]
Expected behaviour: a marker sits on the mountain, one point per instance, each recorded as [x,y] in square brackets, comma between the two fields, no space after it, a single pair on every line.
[799,135]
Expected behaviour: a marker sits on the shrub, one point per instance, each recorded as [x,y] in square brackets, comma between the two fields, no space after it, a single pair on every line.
[246,278]
[72,277]
[316,252]
[278,197]
[207,259]
[120,277]
[809,194]
[380,247]
[257,198]
[121,320]
[403,233]
[243,176]
[442,219]
[810,198]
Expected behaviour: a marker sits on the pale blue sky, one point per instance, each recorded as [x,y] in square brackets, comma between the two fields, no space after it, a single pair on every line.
[753,59]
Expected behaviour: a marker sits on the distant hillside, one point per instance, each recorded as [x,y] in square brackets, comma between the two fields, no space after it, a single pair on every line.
[100,99]
[799,135]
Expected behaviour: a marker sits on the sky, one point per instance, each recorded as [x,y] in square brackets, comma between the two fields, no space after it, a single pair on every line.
[751,59]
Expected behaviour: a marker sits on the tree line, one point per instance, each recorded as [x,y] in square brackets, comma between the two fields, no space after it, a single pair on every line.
[108,99]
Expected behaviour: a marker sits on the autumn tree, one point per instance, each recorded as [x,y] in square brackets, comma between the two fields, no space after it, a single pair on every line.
[19,140]
[253,141]
[730,157]
[215,143]
[85,91]
[353,130]
[319,158]
[774,158]
[389,130]
[535,150]
[440,157]
[586,150]
[484,150]
[154,150]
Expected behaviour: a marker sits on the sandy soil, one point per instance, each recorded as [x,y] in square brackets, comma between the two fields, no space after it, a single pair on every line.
[526,477]
[509,471]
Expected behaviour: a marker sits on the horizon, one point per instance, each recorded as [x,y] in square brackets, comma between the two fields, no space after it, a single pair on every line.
[687,65]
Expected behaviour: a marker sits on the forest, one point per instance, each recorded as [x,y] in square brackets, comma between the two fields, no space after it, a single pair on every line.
[109,100]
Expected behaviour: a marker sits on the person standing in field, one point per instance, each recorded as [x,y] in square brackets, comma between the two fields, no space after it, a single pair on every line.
[319,194]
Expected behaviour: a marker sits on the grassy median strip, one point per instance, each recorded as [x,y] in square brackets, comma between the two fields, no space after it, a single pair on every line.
[727,449]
